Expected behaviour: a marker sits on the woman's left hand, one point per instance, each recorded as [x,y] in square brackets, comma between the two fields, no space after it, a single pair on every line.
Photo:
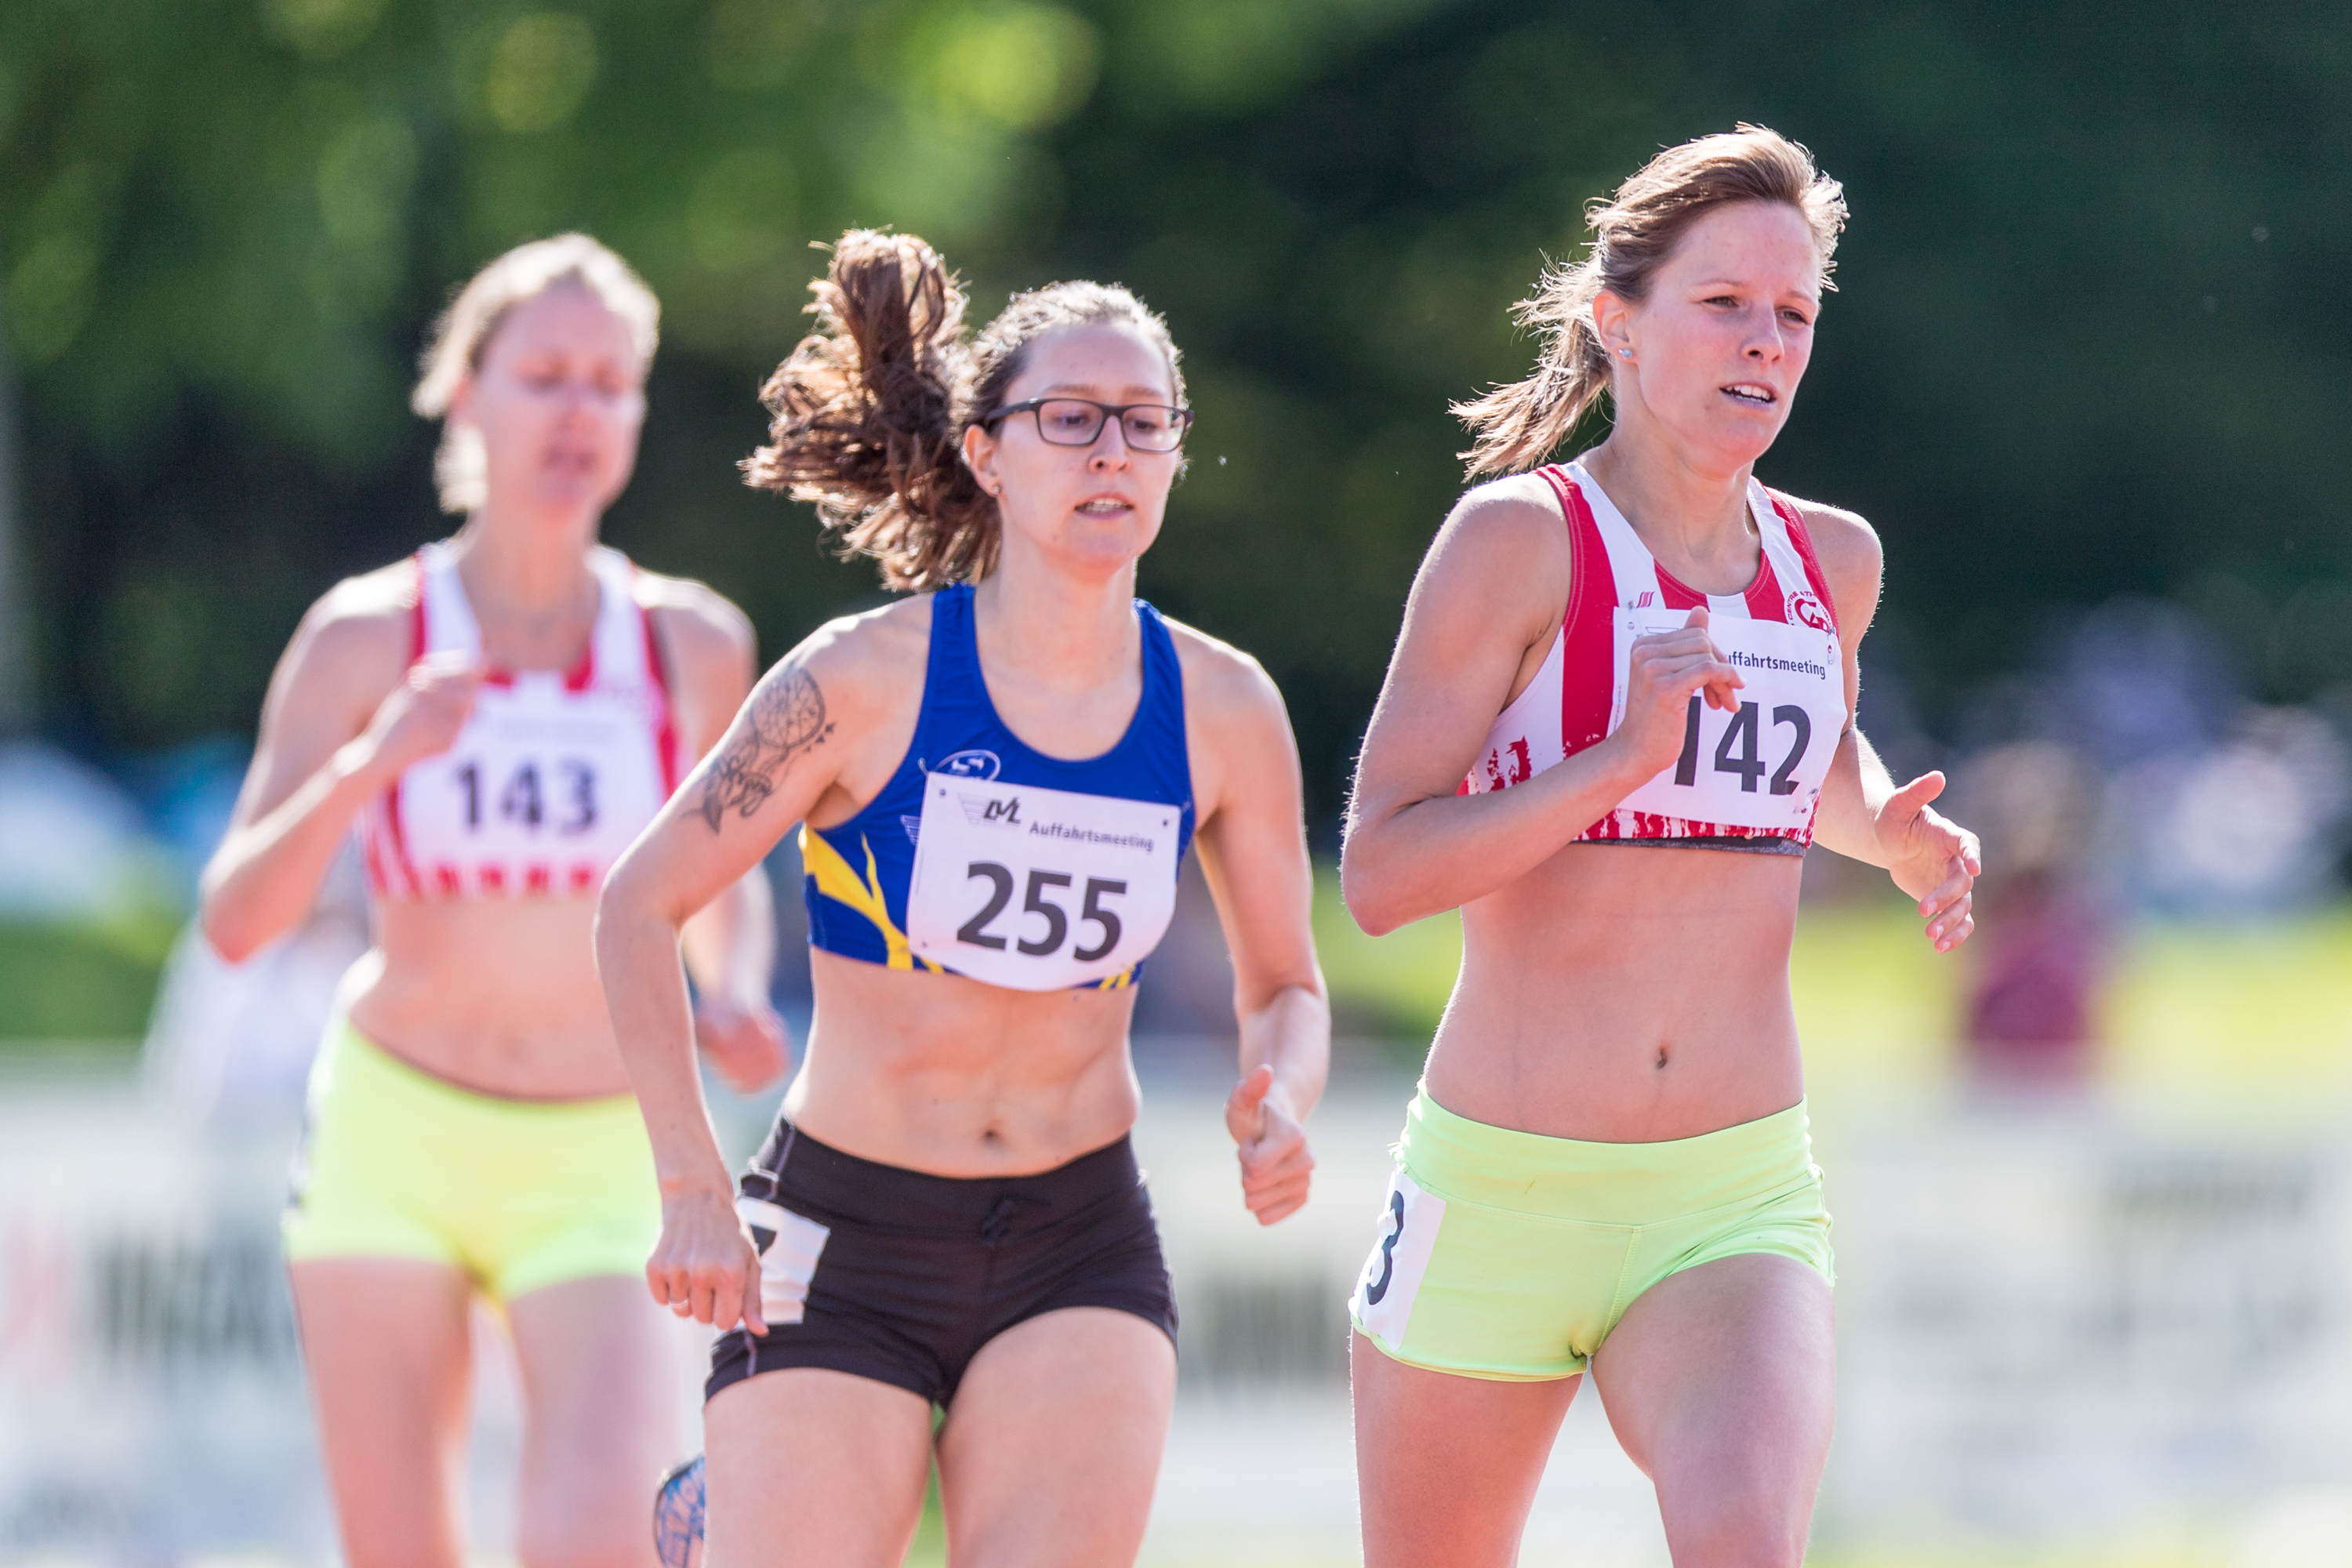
[1931,857]
[1276,1165]
[745,1041]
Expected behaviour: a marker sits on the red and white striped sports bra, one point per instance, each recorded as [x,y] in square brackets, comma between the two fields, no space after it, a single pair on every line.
[554,774]
[1748,780]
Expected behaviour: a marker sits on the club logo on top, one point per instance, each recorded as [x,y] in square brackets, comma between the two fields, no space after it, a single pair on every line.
[1804,609]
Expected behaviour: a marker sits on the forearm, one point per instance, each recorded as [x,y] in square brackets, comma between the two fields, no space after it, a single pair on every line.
[645,990]
[1857,787]
[1442,852]
[1291,1033]
[264,877]
[730,944]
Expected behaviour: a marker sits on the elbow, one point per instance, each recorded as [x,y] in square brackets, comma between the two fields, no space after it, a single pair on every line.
[623,908]
[1371,897]
[227,930]
[235,940]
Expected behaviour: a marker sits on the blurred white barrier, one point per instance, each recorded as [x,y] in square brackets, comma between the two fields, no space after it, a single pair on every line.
[2071,1321]
[151,1396]
[2065,1324]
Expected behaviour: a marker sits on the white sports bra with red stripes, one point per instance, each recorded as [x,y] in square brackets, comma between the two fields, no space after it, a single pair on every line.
[1746,780]
[555,772]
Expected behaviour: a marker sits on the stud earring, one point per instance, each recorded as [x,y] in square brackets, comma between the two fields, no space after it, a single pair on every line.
[1624,354]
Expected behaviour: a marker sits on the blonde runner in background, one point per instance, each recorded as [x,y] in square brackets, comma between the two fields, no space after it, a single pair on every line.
[1620,707]
[500,715]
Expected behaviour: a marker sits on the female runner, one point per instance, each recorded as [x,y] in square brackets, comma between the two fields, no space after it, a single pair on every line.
[1608,1165]
[997,779]
[500,715]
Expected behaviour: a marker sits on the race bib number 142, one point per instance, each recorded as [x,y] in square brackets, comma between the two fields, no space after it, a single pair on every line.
[1039,889]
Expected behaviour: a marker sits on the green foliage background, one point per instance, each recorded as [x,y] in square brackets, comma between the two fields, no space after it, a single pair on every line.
[2089,337]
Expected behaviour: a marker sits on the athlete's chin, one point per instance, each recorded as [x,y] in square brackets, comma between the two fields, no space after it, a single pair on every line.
[1106,546]
[1738,438]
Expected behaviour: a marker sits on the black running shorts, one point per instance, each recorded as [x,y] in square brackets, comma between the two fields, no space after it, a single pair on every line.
[902,1277]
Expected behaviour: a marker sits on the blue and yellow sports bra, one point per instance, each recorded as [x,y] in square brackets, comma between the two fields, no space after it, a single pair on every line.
[985,858]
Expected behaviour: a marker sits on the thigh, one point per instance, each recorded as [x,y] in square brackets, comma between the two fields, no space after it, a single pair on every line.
[813,1468]
[1721,1383]
[601,1395]
[1446,1466]
[387,1343]
[1052,1448]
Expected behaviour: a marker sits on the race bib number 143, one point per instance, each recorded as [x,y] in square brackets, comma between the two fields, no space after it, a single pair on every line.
[1039,889]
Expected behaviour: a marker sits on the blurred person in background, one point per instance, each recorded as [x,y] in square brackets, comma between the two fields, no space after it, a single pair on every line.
[500,716]
[996,779]
[2033,987]
[1619,710]
[234,1043]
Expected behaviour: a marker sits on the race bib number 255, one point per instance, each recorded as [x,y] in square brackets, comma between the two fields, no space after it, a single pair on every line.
[1039,889]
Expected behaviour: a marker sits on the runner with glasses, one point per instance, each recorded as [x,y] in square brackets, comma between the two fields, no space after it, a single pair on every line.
[1620,707]
[995,782]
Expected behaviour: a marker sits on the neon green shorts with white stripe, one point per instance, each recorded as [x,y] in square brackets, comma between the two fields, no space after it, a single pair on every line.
[1511,1256]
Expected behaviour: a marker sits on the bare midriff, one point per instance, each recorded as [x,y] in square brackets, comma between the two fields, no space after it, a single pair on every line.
[499,995]
[1625,994]
[942,1074]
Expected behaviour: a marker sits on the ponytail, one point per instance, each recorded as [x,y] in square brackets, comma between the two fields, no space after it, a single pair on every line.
[863,411]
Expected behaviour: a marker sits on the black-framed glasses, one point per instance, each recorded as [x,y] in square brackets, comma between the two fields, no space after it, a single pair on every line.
[1078,422]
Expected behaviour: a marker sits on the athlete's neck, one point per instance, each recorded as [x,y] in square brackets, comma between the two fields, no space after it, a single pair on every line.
[529,587]
[1693,518]
[1055,630]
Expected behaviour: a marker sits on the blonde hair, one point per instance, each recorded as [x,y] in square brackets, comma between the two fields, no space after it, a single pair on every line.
[869,412]
[1633,233]
[459,339]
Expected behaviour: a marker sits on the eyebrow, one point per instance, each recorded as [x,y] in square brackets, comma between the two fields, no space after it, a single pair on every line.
[1743,283]
[1133,391]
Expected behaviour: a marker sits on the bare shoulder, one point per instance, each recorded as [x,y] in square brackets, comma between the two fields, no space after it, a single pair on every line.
[1851,558]
[359,633]
[865,660]
[1501,563]
[1220,682]
[1843,539]
[1514,518]
[698,624]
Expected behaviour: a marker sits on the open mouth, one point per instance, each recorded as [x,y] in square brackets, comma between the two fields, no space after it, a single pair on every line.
[1106,506]
[1753,394]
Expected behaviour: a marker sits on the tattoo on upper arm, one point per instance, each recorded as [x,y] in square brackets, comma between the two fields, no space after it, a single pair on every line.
[785,718]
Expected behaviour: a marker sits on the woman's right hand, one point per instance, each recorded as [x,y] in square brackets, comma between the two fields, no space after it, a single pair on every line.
[420,717]
[705,1266]
[1662,671]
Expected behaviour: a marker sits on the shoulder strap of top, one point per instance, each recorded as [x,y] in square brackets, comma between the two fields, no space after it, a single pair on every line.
[1163,687]
[621,648]
[1630,562]
[952,672]
[1800,543]
[447,620]
[953,692]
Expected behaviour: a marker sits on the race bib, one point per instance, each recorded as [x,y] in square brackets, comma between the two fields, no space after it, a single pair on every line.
[535,797]
[1039,889]
[1762,766]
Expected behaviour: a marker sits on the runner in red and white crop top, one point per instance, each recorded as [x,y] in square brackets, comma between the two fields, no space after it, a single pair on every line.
[553,775]
[1749,780]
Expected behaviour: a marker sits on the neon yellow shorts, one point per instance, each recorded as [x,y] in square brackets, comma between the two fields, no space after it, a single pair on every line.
[1511,1256]
[518,1193]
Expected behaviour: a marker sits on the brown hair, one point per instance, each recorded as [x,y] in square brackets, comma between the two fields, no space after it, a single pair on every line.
[871,408]
[1633,233]
[454,347]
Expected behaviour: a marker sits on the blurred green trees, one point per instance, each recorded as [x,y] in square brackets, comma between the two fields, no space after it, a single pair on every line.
[2086,340]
